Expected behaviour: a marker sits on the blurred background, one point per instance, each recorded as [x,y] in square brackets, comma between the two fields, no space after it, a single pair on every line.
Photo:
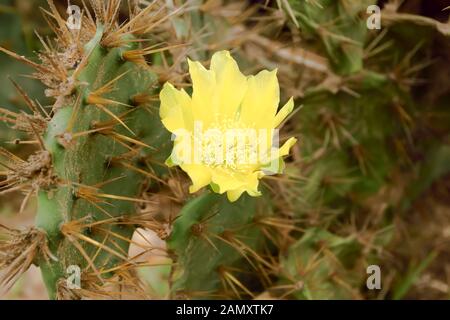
[374,126]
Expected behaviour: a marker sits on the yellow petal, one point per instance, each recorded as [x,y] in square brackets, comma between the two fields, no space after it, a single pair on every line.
[276,165]
[261,100]
[252,183]
[175,110]
[283,113]
[284,150]
[183,149]
[199,174]
[250,186]
[226,179]
[233,195]
[231,84]
[204,100]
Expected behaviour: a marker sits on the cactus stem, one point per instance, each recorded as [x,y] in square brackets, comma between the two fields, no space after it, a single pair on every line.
[81,141]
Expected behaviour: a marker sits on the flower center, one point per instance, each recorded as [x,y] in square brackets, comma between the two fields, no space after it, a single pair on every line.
[230,145]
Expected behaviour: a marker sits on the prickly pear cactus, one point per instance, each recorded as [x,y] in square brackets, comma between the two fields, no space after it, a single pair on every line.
[222,230]
[319,266]
[362,129]
[207,241]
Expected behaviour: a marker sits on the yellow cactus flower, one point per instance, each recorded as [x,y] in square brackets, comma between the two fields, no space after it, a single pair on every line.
[225,135]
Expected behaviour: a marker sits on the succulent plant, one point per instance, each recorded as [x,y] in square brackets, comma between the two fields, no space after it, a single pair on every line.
[372,144]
